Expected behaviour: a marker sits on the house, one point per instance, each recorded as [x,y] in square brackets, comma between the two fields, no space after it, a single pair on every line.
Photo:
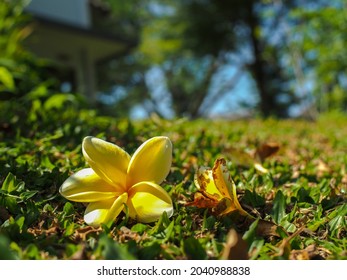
[64,32]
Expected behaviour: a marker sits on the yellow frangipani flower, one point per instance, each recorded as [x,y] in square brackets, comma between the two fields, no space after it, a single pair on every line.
[116,179]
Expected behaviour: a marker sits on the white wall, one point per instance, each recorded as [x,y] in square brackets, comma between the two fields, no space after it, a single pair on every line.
[74,12]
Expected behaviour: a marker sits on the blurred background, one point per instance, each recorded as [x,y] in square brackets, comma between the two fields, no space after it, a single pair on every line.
[191,58]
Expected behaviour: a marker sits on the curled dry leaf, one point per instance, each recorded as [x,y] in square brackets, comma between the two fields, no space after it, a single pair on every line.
[216,190]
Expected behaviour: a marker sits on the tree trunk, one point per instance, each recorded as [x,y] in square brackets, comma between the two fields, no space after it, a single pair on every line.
[267,99]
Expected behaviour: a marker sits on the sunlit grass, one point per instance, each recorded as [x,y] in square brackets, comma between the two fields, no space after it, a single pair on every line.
[300,205]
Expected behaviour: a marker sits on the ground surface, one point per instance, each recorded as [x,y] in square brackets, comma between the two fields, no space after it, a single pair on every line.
[299,205]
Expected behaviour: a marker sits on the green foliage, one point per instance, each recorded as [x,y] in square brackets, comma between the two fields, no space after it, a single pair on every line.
[305,199]
[20,71]
[6,79]
[292,52]
[25,84]
[223,29]
[320,40]
[193,249]
[278,208]
[193,48]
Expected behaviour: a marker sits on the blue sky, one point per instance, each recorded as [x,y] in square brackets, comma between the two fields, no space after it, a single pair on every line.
[229,104]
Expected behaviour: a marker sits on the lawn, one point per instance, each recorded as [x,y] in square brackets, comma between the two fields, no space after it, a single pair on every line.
[297,197]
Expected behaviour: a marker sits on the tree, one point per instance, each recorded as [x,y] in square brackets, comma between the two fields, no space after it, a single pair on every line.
[191,41]
[184,78]
[249,28]
[321,36]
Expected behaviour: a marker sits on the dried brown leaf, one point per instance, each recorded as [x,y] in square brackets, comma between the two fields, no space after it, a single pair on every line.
[216,190]
[235,247]
[266,150]
[81,233]
[202,201]
[267,228]
[125,234]
[306,254]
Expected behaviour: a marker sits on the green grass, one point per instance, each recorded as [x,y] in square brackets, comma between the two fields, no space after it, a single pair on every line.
[300,205]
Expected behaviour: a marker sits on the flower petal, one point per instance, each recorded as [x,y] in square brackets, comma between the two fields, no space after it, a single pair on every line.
[116,208]
[108,160]
[147,202]
[86,186]
[151,161]
[104,211]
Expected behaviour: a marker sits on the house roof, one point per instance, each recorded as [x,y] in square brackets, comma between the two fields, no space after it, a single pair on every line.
[62,41]
[99,4]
